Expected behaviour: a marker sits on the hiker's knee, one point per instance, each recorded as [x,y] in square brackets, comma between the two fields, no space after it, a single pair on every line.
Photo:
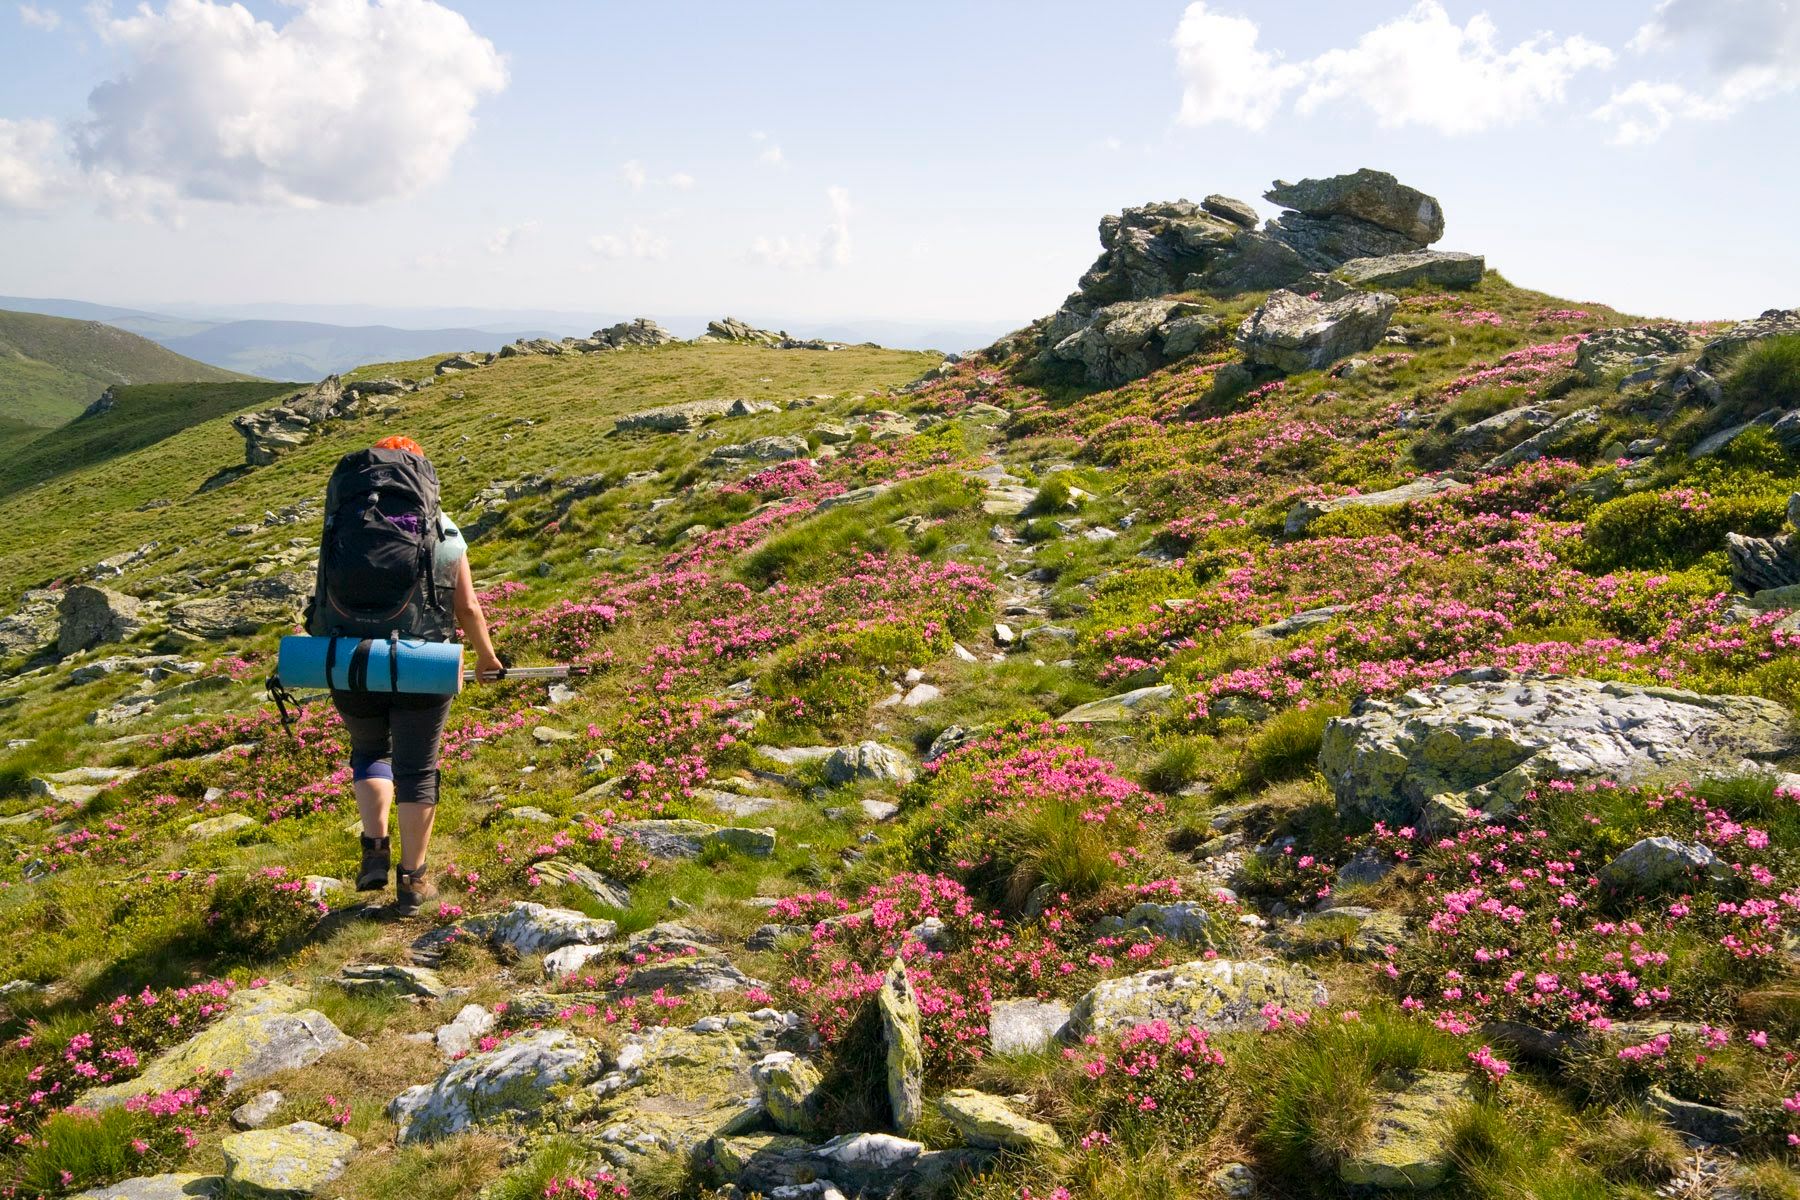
[416,786]
[371,766]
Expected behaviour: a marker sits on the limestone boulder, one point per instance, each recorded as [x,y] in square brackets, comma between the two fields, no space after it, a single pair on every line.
[283,1164]
[511,1081]
[1290,332]
[1212,994]
[1477,742]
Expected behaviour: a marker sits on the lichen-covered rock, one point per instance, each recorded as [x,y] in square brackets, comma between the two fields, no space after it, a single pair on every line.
[1368,195]
[460,1035]
[527,928]
[688,974]
[1180,921]
[513,1079]
[680,838]
[1211,994]
[217,827]
[764,449]
[675,1089]
[1441,268]
[1292,333]
[790,1090]
[868,761]
[1131,338]
[1773,322]
[1655,864]
[988,1120]
[898,1003]
[283,1164]
[1615,351]
[859,1164]
[265,1030]
[1025,1026]
[1305,512]
[256,1112]
[1408,1143]
[391,977]
[609,892]
[158,1187]
[92,615]
[1481,739]
[1135,705]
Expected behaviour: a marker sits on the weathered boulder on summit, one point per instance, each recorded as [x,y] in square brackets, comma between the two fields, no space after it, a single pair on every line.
[730,329]
[92,615]
[640,331]
[1368,195]
[1291,333]
[272,431]
[1134,337]
[1478,741]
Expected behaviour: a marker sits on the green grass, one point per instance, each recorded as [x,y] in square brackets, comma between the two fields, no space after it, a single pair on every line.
[52,368]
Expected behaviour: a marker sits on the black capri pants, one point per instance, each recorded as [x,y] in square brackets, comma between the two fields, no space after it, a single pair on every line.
[395,736]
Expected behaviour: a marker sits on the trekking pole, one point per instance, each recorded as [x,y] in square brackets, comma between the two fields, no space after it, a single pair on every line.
[564,671]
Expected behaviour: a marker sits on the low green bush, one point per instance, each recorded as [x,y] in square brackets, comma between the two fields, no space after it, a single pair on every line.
[1673,528]
[1768,374]
[261,914]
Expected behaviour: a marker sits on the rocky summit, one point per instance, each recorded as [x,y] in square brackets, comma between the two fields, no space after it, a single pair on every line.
[1308,717]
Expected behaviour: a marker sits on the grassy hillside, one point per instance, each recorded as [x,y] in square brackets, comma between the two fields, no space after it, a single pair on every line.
[1492,1004]
[309,350]
[52,368]
[142,415]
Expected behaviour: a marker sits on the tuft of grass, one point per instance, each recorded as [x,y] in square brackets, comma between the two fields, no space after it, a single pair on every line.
[1631,1147]
[1286,745]
[1768,375]
[453,1169]
[1767,1180]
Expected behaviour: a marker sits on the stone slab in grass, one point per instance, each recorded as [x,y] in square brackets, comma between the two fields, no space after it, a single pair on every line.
[503,1083]
[157,1187]
[990,1121]
[1135,705]
[1408,1143]
[1211,994]
[284,1164]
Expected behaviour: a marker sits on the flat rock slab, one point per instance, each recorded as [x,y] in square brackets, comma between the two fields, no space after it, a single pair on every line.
[157,1187]
[1292,333]
[282,1164]
[514,1078]
[1134,705]
[1441,268]
[735,804]
[527,928]
[216,827]
[391,977]
[265,1030]
[609,892]
[1306,512]
[992,1122]
[677,838]
[1025,1026]
[1211,994]
[1480,740]
[1408,1145]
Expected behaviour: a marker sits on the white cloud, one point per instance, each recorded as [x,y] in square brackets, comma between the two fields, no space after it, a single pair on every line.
[832,249]
[507,237]
[634,174]
[681,181]
[349,102]
[1419,69]
[33,17]
[1745,51]
[1224,76]
[639,243]
[35,173]
[771,150]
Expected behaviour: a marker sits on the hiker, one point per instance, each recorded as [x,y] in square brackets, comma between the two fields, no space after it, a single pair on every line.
[391,564]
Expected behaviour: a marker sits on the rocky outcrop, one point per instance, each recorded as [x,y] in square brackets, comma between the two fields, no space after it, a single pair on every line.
[1408,1146]
[640,331]
[1726,346]
[282,1164]
[730,329]
[1503,430]
[274,431]
[1762,564]
[527,928]
[1132,338]
[773,448]
[1655,864]
[1290,332]
[1375,197]
[1439,268]
[272,600]
[898,1004]
[512,1080]
[1212,994]
[1476,743]
[265,1030]
[1626,351]
[684,418]
[1305,512]
[91,615]
[33,625]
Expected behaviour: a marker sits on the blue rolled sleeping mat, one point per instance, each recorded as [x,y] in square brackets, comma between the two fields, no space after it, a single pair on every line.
[371,664]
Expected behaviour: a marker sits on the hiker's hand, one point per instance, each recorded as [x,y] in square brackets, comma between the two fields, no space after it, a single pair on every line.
[488,667]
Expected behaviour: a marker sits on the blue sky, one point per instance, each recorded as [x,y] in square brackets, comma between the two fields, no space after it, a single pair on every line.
[933,161]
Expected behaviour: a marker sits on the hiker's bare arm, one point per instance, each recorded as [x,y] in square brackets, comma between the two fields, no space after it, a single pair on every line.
[473,623]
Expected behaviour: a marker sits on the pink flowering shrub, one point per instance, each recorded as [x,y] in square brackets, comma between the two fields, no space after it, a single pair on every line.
[260,914]
[79,1148]
[1155,1072]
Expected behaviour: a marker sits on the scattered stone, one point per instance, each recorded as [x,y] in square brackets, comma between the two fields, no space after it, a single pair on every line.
[272,600]
[1305,512]
[217,827]
[763,449]
[1025,1026]
[1213,994]
[685,417]
[790,1087]
[878,810]
[1479,740]
[1611,351]
[1135,705]
[256,1112]
[460,1036]
[921,694]
[514,1078]
[1234,1181]
[1290,332]
[1299,623]
[898,1004]
[734,804]
[988,1120]
[546,735]
[373,978]
[1180,921]
[1440,268]
[1710,1123]
[1408,1144]
[677,838]
[1545,441]
[158,1187]
[1657,864]
[1490,435]
[92,615]
[265,1030]
[868,761]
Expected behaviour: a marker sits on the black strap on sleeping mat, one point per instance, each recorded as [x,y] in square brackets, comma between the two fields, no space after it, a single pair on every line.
[359,666]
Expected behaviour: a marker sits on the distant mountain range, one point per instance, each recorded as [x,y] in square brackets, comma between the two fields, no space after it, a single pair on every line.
[304,342]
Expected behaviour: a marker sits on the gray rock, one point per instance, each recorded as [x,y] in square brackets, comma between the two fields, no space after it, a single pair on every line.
[1366,867]
[92,615]
[472,1023]
[1178,921]
[1656,864]
[1408,1144]
[991,1121]
[1234,1181]
[1714,442]
[1131,338]
[1544,442]
[1025,1026]
[1613,351]
[898,1004]
[157,1187]
[1368,195]
[1710,1123]
[1440,268]
[1773,322]
[763,449]
[687,975]
[1305,512]
[863,1164]
[675,418]
[1292,333]
[734,804]
[514,1078]
[1481,739]
[1502,430]
[280,1164]
[373,978]
[1214,994]
[730,329]
[868,761]
[1135,705]
[640,331]
[1762,564]
[790,1087]
[256,1112]
[1238,212]
[527,928]
[878,810]
[678,838]
[1299,623]
[272,600]
[562,871]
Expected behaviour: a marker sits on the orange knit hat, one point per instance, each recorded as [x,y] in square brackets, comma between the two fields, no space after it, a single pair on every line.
[401,442]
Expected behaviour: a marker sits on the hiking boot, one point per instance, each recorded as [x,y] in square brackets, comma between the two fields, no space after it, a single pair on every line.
[411,889]
[373,874]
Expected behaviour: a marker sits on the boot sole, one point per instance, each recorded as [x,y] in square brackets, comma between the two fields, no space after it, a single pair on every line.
[372,885]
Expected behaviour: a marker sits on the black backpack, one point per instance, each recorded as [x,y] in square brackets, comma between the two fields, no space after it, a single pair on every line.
[376,561]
